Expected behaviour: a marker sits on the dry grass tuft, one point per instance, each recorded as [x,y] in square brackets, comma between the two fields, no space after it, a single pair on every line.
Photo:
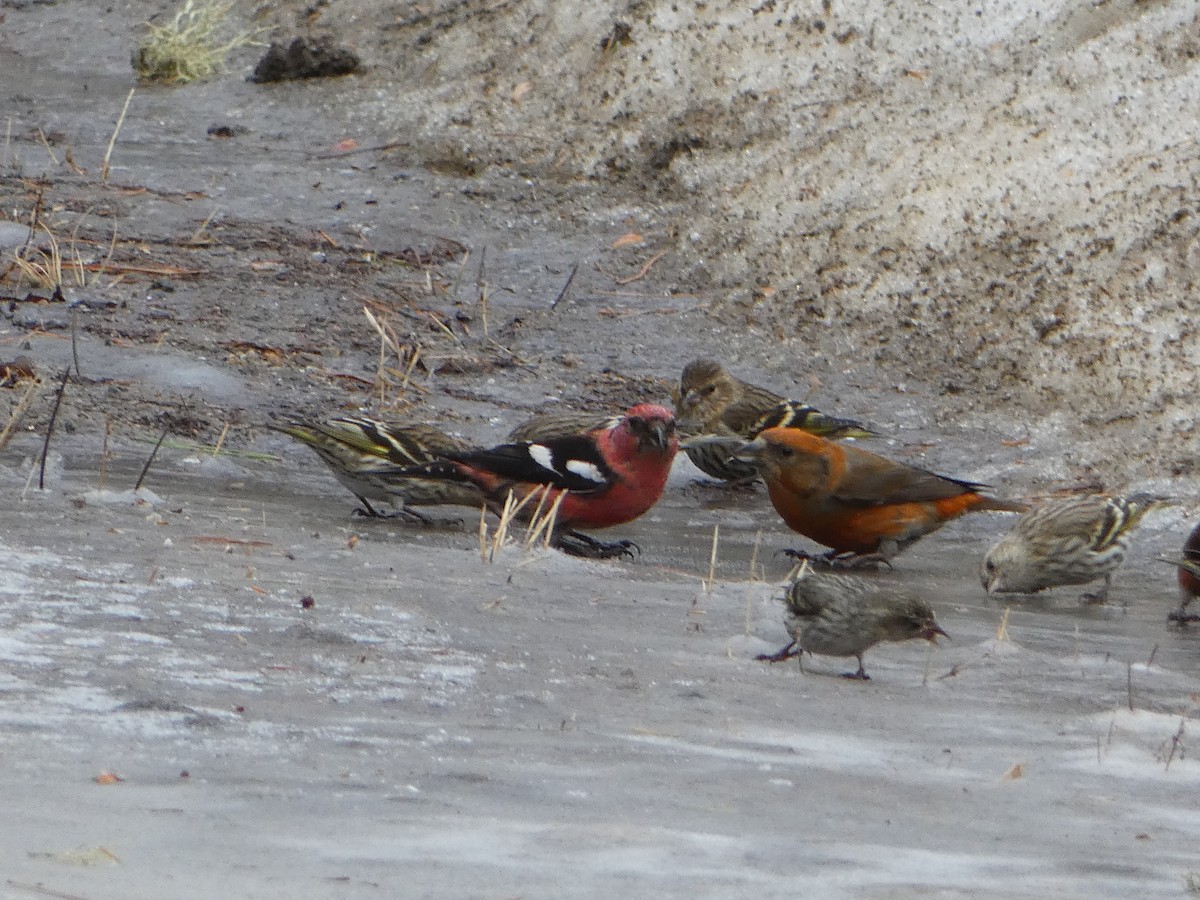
[187,48]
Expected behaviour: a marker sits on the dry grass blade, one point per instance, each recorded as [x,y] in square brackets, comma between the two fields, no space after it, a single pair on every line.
[187,48]
[18,412]
[45,270]
[1002,628]
[712,561]
[754,554]
[112,141]
[543,520]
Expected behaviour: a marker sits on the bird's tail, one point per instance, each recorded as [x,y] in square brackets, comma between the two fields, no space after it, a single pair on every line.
[999,504]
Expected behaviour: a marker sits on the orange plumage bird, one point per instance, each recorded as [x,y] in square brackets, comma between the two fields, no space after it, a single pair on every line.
[864,507]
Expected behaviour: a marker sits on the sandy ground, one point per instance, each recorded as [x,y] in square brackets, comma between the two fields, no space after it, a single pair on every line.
[537,726]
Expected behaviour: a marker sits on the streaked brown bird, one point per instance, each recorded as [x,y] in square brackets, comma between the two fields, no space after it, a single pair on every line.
[844,615]
[1075,540]
[1189,578]
[864,507]
[711,401]
[359,450]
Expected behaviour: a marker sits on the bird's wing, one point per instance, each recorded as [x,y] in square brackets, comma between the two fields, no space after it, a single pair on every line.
[872,480]
[743,414]
[572,463]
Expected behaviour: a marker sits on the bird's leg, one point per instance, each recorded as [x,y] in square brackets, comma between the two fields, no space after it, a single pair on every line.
[861,674]
[856,560]
[406,513]
[1095,598]
[367,511]
[782,655]
[576,543]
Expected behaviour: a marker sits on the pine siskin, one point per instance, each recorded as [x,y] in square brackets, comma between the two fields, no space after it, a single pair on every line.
[845,615]
[1075,540]
[547,426]
[711,401]
[361,452]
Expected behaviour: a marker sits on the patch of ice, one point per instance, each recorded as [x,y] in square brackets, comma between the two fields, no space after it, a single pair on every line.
[143,497]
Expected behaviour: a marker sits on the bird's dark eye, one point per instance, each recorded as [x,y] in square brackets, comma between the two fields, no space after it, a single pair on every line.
[708,389]
[989,566]
[784,450]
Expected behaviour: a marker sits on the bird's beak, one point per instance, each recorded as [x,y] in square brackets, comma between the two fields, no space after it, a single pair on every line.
[1190,565]
[750,451]
[659,433]
[931,632]
[732,445]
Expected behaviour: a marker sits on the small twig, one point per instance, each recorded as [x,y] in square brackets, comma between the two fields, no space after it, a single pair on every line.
[116,131]
[462,267]
[1129,683]
[1150,661]
[153,453]
[1002,628]
[198,235]
[104,448]
[58,398]
[481,283]
[754,552]
[1176,743]
[566,287]
[221,440]
[639,274]
[42,891]
[377,147]
[73,309]
[46,144]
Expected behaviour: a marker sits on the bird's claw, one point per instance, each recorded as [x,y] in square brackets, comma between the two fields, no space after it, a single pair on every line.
[860,675]
[404,514]
[780,655]
[575,543]
[835,560]
[1182,618]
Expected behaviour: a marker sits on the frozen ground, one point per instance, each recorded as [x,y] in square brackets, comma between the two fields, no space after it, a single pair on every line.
[544,727]
[861,214]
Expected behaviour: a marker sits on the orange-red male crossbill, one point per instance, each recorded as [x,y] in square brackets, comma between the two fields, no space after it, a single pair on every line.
[863,506]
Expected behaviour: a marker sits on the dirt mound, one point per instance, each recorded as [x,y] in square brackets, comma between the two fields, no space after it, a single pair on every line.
[1002,204]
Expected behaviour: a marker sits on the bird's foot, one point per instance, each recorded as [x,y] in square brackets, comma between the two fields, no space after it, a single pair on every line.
[860,675]
[1094,598]
[832,559]
[367,511]
[576,543]
[404,514]
[1182,617]
[781,655]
